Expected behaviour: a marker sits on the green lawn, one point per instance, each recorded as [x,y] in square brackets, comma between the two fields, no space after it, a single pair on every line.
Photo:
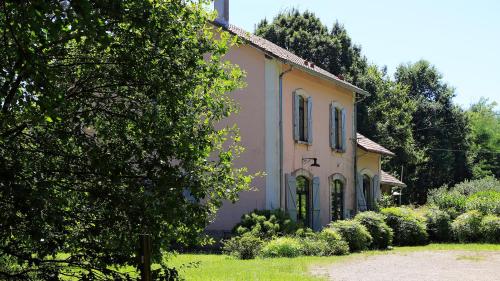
[221,267]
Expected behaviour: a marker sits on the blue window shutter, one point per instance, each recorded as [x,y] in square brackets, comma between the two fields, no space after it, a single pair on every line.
[343,137]
[309,121]
[376,188]
[296,117]
[291,196]
[316,218]
[333,132]
[360,197]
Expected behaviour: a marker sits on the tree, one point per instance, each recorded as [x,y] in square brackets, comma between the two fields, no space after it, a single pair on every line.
[107,125]
[485,125]
[440,127]
[305,36]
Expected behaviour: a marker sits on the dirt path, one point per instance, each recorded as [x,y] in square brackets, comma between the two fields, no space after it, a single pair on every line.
[424,265]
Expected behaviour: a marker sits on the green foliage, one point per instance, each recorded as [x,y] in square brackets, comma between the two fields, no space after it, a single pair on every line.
[107,131]
[482,195]
[467,226]
[438,225]
[441,129]
[244,247]
[288,247]
[356,235]
[381,233]
[490,228]
[487,202]
[336,244]
[409,228]
[266,224]
[385,201]
[311,246]
[485,124]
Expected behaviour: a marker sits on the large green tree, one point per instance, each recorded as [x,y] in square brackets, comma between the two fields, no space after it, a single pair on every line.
[440,128]
[485,125]
[107,131]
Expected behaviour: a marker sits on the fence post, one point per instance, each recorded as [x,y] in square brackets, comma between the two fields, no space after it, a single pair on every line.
[145,257]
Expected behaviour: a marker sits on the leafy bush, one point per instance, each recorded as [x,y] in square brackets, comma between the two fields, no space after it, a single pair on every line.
[266,224]
[487,202]
[385,201]
[467,226]
[336,245]
[462,197]
[282,247]
[304,232]
[490,228]
[409,229]
[381,233]
[446,199]
[311,246]
[438,225]
[356,235]
[474,186]
[243,247]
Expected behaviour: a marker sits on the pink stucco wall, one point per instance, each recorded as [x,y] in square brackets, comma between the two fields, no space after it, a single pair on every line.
[251,122]
[323,93]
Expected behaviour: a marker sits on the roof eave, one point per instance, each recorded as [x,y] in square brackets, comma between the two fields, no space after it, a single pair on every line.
[392,154]
[393,183]
[338,82]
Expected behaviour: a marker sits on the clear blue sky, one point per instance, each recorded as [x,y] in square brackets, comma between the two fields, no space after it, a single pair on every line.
[461,38]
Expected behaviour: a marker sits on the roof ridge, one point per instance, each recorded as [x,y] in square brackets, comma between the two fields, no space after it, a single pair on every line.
[290,57]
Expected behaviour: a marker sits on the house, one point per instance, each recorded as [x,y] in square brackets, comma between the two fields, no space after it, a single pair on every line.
[297,124]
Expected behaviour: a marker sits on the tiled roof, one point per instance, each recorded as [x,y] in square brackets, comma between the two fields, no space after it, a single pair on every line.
[281,53]
[371,146]
[390,180]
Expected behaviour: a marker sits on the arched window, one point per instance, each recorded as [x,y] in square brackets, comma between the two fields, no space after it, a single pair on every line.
[367,183]
[303,200]
[337,199]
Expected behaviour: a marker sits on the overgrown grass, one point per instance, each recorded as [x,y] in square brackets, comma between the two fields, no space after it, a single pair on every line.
[225,268]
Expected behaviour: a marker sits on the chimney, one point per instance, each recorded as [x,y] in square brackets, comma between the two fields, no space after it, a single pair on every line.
[222,8]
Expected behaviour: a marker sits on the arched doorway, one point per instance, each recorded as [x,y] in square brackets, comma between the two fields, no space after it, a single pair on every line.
[337,199]
[304,201]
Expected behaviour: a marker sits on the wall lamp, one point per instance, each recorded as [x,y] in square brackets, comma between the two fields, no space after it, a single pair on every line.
[307,160]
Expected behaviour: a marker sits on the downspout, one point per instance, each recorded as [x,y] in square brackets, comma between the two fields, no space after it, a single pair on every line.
[281,132]
[355,145]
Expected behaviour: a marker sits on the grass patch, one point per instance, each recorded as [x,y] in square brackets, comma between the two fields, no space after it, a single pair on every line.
[225,268]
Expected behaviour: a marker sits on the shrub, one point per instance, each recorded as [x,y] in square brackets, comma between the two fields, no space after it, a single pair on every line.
[490,228]
[282,247]
[438,225]
[487,202]
[474,186]
[243,247]
[311,246]
[385,201]
[266,224]
[356,235]
[381,233]
[447,199]
[409,229]
[466,227]
[336,245]
[304,232]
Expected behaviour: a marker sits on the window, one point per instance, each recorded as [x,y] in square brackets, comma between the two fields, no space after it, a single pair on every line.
[367,190]
[302,117]
[303,200]
[337,127]
[338,131]
[337,197]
